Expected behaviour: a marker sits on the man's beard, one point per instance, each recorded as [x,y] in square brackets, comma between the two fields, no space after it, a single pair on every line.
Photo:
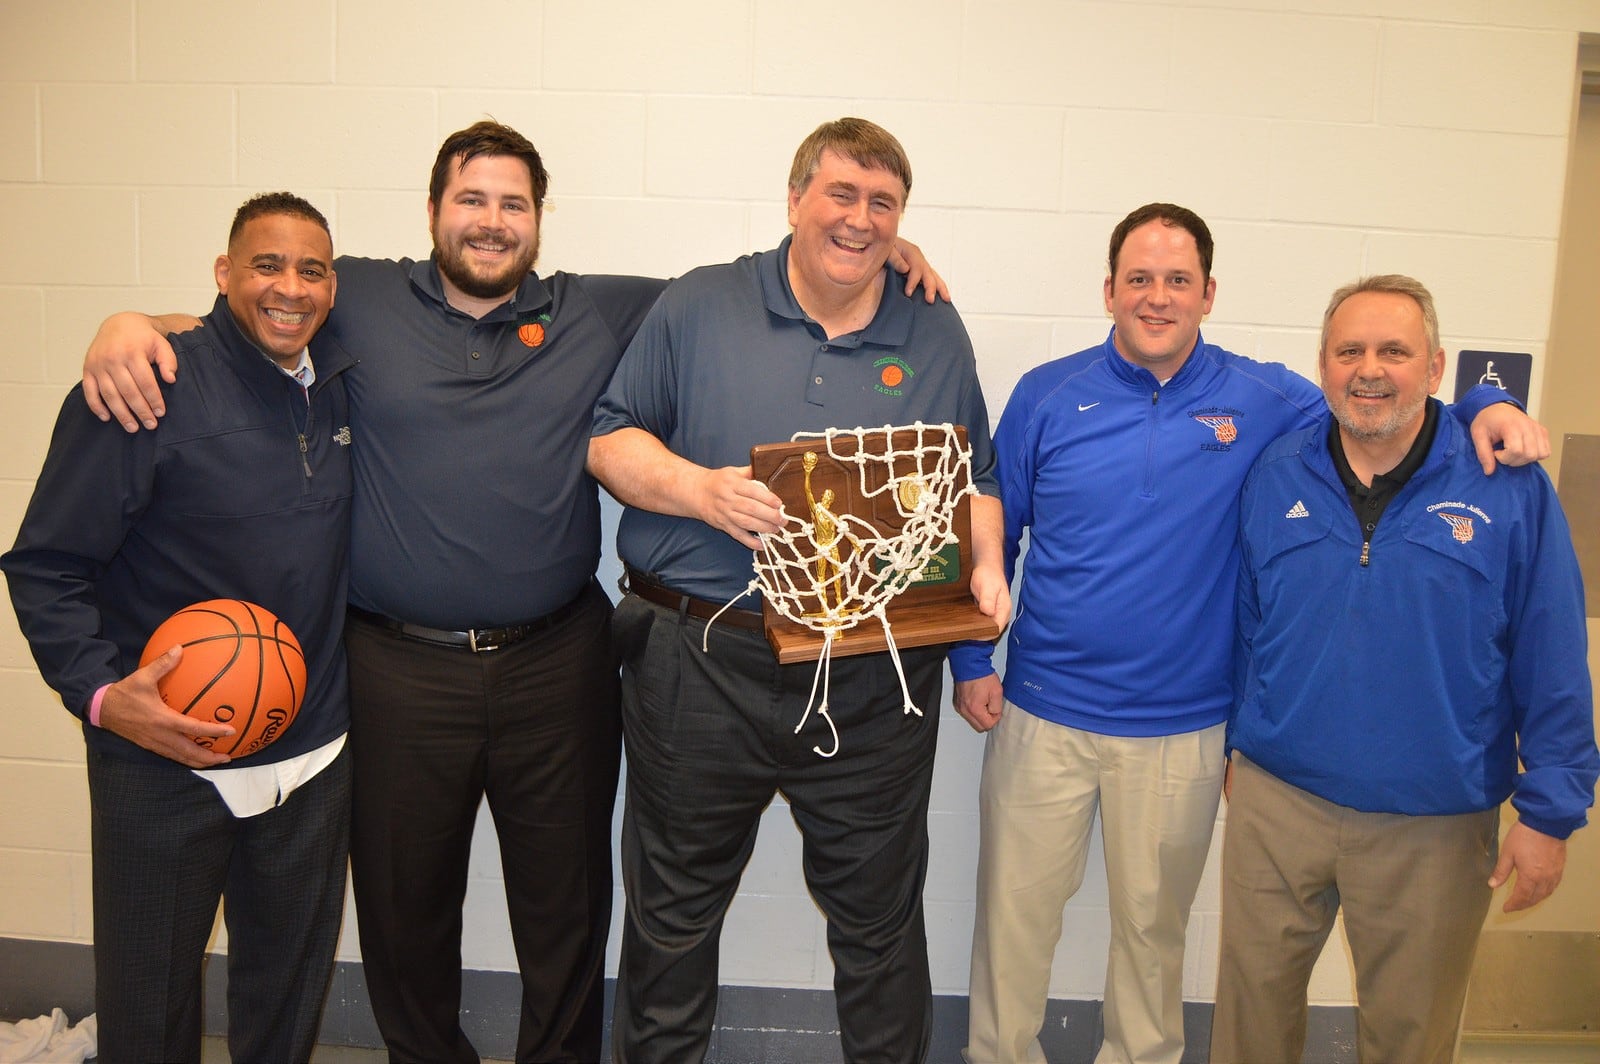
[502,283]
[1367,429]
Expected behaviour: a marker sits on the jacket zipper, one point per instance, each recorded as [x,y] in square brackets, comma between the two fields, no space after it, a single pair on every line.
[301,438]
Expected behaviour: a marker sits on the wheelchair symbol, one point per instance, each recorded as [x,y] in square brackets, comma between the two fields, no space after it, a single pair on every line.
[1491,377]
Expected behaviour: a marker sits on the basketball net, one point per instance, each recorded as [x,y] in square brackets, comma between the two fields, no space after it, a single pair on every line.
[828,571]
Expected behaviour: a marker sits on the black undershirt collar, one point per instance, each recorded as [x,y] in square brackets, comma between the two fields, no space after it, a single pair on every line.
[1369,503]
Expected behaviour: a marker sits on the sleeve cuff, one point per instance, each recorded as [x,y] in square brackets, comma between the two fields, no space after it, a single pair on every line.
[971,660]
[1556,829]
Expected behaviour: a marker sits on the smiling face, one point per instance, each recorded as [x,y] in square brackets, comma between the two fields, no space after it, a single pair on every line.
[485,231]
[1157,297]
[1378,368]
[279,283]
[845,222]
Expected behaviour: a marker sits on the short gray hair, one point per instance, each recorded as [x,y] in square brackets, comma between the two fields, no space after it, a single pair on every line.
[1399,284]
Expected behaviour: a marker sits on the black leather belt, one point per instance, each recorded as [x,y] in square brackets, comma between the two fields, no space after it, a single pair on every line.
[650,591]
[477,640]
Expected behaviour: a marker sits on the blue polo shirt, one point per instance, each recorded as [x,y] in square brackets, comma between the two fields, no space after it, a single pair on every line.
[727,359]
[472,504]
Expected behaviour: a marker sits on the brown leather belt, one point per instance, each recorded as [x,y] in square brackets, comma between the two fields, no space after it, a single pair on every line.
[639,584]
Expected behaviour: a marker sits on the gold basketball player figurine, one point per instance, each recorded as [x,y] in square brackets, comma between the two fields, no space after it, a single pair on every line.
[826,534]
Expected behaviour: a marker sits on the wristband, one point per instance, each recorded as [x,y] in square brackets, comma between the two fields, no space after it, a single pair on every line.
[94,705]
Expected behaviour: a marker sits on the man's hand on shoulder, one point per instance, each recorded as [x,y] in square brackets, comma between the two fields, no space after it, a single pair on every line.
[132,708]
[1538,861]
[1521,439]
[905,257]
[118,378]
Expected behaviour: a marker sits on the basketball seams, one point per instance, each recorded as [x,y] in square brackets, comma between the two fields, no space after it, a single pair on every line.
[241,729]
[243,737]
[239,666]
[296,696]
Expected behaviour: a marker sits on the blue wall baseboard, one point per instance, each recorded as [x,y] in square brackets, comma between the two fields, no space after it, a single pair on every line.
[755,1025]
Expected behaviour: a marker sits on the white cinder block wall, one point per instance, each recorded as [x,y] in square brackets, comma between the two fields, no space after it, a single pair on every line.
[1320,139]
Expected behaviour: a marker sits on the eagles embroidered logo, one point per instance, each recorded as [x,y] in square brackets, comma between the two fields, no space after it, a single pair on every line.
[1460,526]
[342,437]
[1221,426]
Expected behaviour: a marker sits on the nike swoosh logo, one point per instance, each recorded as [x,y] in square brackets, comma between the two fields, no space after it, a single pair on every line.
[1087,406]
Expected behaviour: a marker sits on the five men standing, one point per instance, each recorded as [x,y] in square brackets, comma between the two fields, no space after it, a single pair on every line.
[1122,463]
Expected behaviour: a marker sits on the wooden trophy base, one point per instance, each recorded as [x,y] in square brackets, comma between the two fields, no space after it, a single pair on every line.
[913,626]
[936,608]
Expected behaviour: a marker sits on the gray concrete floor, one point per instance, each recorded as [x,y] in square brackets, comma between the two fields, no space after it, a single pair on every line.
[214,1050]
[1474,1050]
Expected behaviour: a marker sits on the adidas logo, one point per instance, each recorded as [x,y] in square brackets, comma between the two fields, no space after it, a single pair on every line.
[1298,510]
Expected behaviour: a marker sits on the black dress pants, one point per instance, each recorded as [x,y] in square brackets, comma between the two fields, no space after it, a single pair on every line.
[710,739]
[533,728]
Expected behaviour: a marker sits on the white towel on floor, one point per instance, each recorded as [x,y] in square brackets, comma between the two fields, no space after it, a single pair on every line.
[48,1038]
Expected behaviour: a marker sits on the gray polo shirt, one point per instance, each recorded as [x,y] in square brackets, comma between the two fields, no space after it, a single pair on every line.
[727,359]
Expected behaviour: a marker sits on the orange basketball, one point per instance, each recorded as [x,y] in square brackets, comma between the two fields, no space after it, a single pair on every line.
[241,666]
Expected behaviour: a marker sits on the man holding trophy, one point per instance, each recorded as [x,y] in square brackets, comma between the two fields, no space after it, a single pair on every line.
[806,338]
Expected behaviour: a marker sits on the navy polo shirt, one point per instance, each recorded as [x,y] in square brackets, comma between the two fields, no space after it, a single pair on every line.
[472,506]
[727,359]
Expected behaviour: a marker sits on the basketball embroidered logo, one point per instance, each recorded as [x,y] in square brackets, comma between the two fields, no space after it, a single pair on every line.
[1460,527]
[893,373]
[1222,428]
[532,334]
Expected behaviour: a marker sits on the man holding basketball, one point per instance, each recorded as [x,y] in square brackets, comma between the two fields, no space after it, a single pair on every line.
[244,492]
[480,657]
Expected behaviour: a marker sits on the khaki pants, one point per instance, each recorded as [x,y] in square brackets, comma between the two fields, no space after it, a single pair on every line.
[1414,892]
[1042,784]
